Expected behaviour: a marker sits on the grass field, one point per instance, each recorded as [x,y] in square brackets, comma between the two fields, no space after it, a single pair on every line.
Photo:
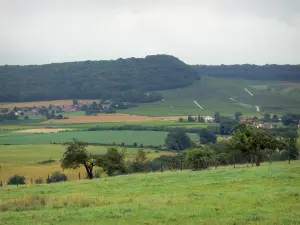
[268,194]
[214,94]
[105,137]
[25,160]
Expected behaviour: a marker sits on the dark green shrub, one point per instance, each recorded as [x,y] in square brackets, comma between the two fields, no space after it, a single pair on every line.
[39,180]
[16,179]
[47,161]
[56,177]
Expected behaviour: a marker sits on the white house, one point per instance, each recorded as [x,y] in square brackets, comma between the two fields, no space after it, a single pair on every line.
[208,119]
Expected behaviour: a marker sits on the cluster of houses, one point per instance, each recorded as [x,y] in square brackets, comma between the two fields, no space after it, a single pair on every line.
[257,124]
[26,111]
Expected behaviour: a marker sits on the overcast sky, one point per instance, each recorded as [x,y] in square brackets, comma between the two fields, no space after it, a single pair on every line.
[195,31]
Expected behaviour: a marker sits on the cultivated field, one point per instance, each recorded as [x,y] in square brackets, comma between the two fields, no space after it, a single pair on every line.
[268,194]
[111,118]
[102,137]
[42,130]
[45,103]
[26,160]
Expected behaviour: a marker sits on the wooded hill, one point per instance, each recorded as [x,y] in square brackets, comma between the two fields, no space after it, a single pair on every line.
[133,79]
[124,79]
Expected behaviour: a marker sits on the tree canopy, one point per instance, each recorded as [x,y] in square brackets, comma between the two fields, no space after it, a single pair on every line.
[178,140]
[128,79]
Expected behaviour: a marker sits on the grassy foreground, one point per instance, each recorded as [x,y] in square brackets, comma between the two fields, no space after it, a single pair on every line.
[268,194]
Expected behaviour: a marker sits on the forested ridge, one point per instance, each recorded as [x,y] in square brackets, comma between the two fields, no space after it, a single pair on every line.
[122,79]
[252,72]
[126,79]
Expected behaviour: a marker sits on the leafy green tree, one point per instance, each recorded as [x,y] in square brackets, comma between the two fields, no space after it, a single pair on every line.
[226,126]
[237,116]
[56,177]
[253,142]
[217,117]
[140,160]
[200,158]
[290,137]
[112,162]
[275,118]
[206,136]
[178,140]
[267,118]
[191,119]
[76,155]
[16,180]
[290,119]
[75,102]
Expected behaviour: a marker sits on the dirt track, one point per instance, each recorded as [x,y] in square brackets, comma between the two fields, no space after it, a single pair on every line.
[44,103]
[107,118]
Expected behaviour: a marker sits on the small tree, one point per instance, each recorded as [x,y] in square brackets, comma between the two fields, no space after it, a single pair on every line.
[112,162]
[191,119]
[38,180]
[238,116]
[200,158]
[56,177]
[275,118]
[267,118]
[16,180]
[140,160]
[75,102]
[178,140]
[76,154]
[217,117]
[206,136]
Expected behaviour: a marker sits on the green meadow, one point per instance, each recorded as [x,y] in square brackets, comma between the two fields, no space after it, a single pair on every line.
[105,137]
[268,194]
[27,160]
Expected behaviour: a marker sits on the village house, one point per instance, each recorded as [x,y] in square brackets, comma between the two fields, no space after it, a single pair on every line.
[208,119]
[264,125]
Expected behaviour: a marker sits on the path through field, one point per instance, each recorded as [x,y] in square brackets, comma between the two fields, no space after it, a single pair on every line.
[198,104]
[248,91]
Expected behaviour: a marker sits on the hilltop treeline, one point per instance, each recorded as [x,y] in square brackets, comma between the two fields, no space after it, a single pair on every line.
[252,72]
[124,79]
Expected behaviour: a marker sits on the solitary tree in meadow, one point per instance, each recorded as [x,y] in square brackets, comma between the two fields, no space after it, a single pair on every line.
[76,155]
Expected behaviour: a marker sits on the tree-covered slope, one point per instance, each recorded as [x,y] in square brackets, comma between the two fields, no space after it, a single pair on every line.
[94,79]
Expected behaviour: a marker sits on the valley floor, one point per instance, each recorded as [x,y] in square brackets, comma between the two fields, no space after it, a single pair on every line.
[268,194]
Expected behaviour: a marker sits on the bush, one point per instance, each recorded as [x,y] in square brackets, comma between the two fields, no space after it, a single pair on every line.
[16,179]
[47,161]
[38,180]
[200,158]
[56,177]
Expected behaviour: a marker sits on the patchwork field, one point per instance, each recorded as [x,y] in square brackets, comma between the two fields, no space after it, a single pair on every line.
[42,130]
[268,194]
[105,137]
[45,103]
[26,160]
[110,118]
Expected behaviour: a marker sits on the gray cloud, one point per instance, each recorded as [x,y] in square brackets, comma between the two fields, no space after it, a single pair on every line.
[196,31]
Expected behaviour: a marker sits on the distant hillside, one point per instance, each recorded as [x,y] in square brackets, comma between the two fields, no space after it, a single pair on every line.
[127,79]
[252,72]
